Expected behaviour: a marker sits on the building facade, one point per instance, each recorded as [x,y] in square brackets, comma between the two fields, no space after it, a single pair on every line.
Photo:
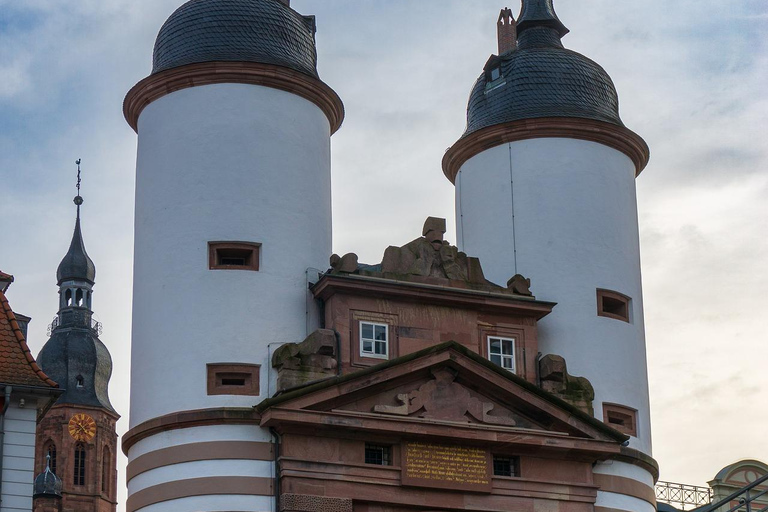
[77,439]
[428,381]
[26,393]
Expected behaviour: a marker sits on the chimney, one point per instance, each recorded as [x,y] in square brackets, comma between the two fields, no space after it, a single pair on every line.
[507,31]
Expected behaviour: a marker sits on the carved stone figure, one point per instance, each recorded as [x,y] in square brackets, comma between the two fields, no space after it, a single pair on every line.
[312,359]
[577,391]
[444,399]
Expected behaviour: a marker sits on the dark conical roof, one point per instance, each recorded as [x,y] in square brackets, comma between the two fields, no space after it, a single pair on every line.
[76,265]
[541,78]
[80,363]
[263,31]
[47,484]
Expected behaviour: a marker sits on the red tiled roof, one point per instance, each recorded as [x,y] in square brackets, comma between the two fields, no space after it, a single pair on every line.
[17,365]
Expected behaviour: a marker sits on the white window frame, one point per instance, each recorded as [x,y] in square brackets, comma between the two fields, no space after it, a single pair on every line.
[373,354]
[510,358]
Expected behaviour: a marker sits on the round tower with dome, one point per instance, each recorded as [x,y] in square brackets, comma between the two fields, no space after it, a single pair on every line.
[76,446]
[233,215]
[545,187]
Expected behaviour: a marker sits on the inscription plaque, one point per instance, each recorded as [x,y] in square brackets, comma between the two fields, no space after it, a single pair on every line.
[461,468]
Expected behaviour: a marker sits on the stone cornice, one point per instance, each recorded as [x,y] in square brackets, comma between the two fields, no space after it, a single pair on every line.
[206,73]
[617,137]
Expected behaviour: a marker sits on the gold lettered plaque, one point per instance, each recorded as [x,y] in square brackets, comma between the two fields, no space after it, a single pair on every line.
[462,468]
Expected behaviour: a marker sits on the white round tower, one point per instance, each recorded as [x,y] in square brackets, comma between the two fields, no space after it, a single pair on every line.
[233,207]
[544,178]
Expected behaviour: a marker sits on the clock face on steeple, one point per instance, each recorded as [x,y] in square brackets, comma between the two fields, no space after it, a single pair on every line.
[82,427]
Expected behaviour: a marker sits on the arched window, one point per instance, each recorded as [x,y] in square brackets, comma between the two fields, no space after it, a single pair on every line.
[79,477]
[106,463]
[80,382]
[49,451]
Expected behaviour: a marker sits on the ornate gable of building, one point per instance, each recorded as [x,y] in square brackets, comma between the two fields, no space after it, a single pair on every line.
[443,391]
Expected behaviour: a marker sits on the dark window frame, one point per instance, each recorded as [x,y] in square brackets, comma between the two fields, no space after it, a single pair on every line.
[378,454]
[219,254]
[621,418]
[233,379]
[612,304]
[507,466]
[50,449]
[80,461]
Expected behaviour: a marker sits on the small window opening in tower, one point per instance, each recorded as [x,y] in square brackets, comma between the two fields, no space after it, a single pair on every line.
[620,417]
[80,382]
[495,74]
[79,299]
[79,473]
[233,256]
[105,470]
[68,297]
[233,379]
[50,453]
[613,305]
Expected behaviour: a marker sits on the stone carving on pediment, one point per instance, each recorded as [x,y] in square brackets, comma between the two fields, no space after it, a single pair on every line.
[432,260]
[443,399]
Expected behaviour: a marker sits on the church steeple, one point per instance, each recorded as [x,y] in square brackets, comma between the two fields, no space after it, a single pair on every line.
[76,273]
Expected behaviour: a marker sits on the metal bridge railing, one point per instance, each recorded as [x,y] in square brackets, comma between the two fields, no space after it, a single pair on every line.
[683,494]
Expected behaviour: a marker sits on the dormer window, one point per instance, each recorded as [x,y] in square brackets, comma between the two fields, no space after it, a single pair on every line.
[495,74]
[501,351]
[374,340]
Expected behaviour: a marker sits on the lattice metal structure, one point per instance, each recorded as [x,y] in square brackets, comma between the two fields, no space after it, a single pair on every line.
[684,495]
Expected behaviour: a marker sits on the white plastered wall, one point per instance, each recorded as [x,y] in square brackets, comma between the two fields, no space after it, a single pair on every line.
[563,213]
[19,455]
[225,162]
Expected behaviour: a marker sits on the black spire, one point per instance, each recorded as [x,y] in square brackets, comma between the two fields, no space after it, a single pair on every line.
[539,13]
[76,265]
[74,355]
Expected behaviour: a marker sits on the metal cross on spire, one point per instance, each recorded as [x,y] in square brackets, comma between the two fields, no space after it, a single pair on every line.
[78,198]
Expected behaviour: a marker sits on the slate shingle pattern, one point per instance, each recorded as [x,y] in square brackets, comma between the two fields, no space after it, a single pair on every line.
[263,31]
[540,79]
[76,263]
[17,366]
[76,351]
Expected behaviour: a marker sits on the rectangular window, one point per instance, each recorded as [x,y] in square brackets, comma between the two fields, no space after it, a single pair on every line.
[378,454]
[506,466]
[79,473]
[612,304]
[620,417]
[501,351]
[233,256]
[374,340]
[233,379]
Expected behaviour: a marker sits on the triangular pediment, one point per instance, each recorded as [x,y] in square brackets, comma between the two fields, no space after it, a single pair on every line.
[443,385]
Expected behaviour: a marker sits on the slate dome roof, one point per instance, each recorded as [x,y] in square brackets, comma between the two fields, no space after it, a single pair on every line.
[541,78]
[74,353]
[47,484]
[76,265]
[263,31]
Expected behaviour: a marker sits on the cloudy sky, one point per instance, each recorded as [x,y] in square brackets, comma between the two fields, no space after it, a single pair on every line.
[691,76]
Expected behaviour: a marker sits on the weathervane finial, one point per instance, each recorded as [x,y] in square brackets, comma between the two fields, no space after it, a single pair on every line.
[78,198]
